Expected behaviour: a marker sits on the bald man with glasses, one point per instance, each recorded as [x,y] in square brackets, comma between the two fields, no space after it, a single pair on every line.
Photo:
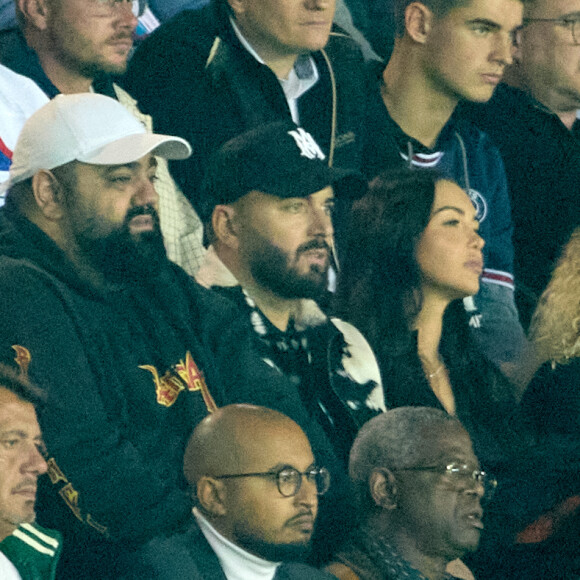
[256,488]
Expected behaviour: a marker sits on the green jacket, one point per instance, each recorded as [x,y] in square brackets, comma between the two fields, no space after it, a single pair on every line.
[34,551]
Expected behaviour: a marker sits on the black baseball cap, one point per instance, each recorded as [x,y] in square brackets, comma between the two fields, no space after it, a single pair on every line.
[279,159]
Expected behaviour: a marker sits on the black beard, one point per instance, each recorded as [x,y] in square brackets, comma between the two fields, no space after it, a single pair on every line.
[269,268]
[125,257]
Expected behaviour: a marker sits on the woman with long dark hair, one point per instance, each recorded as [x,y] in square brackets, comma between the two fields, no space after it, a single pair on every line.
[413,254]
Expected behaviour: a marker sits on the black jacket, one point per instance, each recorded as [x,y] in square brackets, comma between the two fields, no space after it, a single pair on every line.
[542,163]
[210,97]
[338,401]
[483,397]
[188,556]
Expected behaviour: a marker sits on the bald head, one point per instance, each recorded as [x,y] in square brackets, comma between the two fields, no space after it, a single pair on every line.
[225,440]
[234,460]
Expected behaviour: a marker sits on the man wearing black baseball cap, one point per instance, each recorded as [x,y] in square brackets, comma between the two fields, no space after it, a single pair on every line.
[269,220]
[271,230]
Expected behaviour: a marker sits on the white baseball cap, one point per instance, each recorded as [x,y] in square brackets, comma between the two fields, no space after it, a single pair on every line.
[90,128]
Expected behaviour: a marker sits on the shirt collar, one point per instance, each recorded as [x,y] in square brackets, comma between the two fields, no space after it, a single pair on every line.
[304,67]
[236,563]
[244,42]
[303,76]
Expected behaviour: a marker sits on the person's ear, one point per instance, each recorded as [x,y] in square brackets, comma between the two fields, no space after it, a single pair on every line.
[34,12]
[225,228]
[383,488]
[418,21]
[48,195]
[211,495]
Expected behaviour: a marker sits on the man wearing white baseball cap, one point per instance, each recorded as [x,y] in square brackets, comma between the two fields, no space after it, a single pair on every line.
[72,129]
[131,352]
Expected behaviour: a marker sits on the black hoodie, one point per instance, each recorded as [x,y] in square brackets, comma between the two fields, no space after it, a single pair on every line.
[128,372]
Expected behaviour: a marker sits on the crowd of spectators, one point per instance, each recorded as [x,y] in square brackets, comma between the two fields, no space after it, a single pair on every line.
[309,267]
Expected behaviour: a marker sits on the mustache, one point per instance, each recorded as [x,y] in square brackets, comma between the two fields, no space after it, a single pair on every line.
[315,244]
[121,36]
[147,209]
[27,483]
[302,514]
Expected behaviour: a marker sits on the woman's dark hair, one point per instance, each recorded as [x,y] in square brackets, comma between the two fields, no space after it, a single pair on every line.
[379,292]
[380,281]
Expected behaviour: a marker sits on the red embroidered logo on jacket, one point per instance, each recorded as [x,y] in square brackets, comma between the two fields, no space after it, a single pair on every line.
[183,375]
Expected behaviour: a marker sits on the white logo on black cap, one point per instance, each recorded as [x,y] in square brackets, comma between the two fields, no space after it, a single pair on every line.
[308,146]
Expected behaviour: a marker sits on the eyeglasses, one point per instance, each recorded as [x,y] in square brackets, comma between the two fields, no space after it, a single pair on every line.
[289,479]
[137,6]
[462,477]
[571,23]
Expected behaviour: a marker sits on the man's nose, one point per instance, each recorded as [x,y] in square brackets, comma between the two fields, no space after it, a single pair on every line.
[146,193]
[125,15]
[307,494]
[504,49]
[475,487]
[319,4]
[34,462]
[320,222]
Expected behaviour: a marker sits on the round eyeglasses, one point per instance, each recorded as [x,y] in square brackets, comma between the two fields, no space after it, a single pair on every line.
[462,477]
[572,23]
[289,479]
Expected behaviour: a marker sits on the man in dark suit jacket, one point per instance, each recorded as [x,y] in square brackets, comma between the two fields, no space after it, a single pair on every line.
[256,489]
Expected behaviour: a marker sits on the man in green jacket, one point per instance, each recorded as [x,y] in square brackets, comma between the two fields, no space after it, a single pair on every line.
[27,551]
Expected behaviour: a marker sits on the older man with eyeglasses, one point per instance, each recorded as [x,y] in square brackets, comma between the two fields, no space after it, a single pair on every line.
[419,488]
[256,486]
[533,120]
